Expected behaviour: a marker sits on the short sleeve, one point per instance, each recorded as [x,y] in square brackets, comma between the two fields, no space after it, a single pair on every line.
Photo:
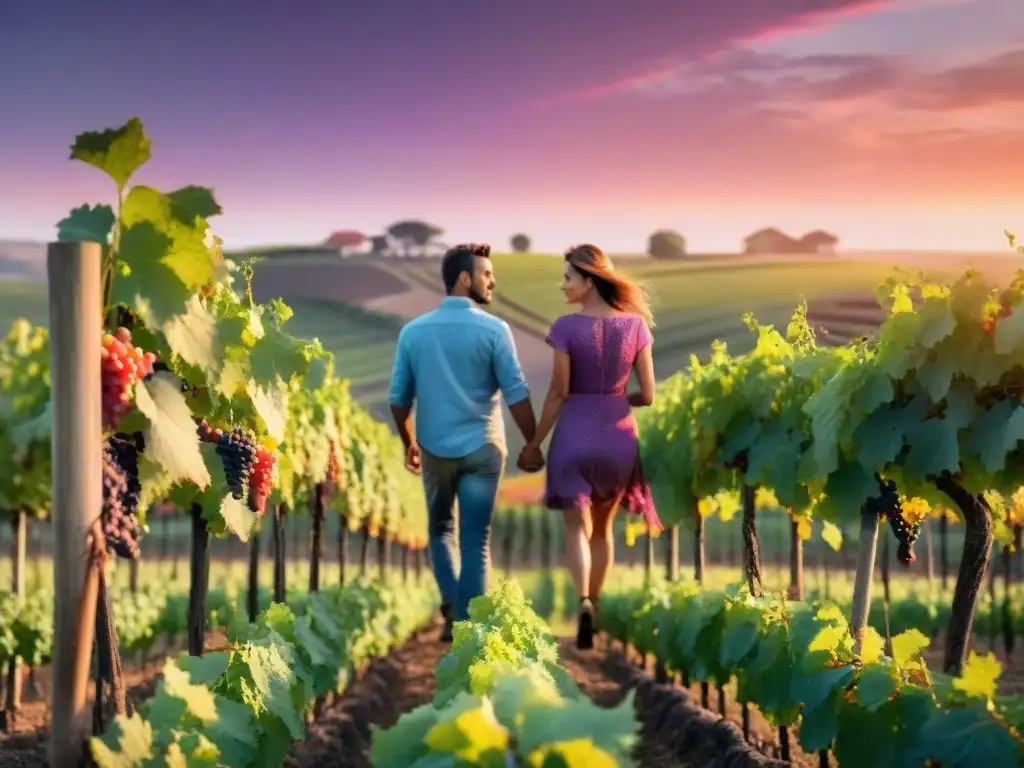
[558,336]
[644,337]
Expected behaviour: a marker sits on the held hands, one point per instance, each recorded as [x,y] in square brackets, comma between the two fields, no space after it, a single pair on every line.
[412,458]
[531,459]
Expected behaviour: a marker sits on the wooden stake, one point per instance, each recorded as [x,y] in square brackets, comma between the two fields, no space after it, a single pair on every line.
[76,331]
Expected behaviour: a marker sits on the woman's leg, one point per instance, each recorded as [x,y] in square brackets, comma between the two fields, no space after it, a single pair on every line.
[577,548]
[602,545]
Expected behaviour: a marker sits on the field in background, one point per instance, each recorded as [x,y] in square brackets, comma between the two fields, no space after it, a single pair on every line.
[357,306]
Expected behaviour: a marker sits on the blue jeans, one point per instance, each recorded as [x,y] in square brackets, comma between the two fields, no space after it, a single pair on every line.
[473,481]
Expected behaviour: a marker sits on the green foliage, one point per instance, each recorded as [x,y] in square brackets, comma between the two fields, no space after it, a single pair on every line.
[795,662]
[246,705]
[501,694]
[231,362]
[25,420]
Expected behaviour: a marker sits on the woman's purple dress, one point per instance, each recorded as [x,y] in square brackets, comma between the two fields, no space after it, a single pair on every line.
[594,453]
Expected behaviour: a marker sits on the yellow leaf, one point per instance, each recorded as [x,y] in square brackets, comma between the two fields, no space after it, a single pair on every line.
[871,645]
[979,676]
[803,528]
[907,647]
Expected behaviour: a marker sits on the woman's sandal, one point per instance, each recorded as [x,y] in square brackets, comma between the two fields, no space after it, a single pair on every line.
[586,625]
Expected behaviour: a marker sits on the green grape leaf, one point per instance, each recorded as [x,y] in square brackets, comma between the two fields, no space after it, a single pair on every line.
[818,725]
[192,336]
[271,405]
[189,202]
[875,686]
[937,320]
[171,440]
[236,516]
[934,448]
[276,356]
[117,152]
[400,745]
[128,741]
[90,223]
[1010,332]
[996,433]
[205,669]
[816,689]
[966,736]
[152,286]
[199,700]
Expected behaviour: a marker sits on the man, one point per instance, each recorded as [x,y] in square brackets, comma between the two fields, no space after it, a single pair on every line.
[452,362]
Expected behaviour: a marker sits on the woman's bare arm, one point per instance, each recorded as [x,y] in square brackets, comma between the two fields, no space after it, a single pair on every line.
[557,392]
[645,373]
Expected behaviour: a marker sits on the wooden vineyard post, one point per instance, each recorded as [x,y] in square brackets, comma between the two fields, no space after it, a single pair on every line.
[661,674]
[253,594]
[796,562]
[76,330]
[316,544]
[867,547]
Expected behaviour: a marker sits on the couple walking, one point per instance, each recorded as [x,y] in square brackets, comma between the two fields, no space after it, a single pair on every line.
[452,363]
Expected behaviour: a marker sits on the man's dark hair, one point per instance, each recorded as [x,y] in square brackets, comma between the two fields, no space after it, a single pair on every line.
[460,259]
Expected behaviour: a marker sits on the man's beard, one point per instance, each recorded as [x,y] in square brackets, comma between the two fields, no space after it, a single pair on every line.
[476,296]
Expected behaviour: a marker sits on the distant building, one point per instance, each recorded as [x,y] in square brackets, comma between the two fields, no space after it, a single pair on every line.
[819,241]
[770,241]
[348,242]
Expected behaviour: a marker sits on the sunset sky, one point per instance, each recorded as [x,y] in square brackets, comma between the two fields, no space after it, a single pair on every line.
[894,123]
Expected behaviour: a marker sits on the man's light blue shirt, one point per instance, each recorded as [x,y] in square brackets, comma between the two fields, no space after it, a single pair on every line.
[452,362]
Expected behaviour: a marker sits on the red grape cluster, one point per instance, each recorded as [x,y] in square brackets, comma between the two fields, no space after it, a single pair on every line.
[261,480]
[121,366]
[333,467]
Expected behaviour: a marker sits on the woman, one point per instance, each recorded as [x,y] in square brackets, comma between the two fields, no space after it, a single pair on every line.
[593,462]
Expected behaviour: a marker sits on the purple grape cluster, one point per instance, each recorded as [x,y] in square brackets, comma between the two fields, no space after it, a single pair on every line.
[121,490]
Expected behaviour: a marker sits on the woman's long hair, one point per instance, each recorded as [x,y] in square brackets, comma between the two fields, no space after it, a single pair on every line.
[619,291]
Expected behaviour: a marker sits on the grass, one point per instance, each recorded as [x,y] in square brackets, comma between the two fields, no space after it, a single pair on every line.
[23,299]
[363,343]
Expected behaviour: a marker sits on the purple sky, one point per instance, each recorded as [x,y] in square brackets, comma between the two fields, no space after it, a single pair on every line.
[895,124]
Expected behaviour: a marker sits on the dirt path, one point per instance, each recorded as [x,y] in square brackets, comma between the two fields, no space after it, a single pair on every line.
[675,731]
[386,689]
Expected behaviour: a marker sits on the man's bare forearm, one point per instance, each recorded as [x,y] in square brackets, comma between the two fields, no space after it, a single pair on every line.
[403,422]
[522,414]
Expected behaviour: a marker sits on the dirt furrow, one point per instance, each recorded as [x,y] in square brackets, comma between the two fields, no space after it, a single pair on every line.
[386,688]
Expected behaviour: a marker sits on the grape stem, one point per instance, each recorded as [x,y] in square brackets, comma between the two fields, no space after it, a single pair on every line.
[973,564]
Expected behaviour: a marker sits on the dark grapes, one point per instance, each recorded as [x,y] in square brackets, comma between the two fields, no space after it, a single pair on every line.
[887,504]
[121,488]
[238,455]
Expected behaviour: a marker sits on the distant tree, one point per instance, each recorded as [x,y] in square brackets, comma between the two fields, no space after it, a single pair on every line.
[413,232]
[666,244]
[520,243]
[379,244]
